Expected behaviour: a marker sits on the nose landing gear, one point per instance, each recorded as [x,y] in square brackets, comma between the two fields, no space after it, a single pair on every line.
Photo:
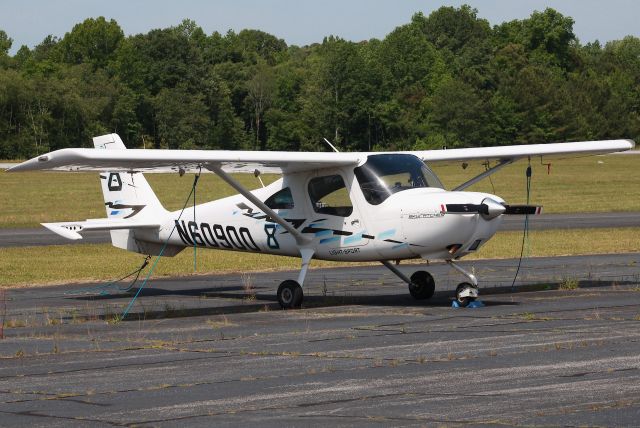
[465,292]
[422,285]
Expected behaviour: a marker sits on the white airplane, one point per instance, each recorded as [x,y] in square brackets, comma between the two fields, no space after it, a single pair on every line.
[331,206]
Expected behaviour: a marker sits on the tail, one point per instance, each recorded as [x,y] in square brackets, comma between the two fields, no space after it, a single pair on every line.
[129,199]
[126,195]
[135,216]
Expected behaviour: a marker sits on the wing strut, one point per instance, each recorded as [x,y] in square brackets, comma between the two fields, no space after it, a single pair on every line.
[300,239]
[474,180]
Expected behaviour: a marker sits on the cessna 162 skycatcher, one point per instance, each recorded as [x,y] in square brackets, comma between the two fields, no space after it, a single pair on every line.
[331,206]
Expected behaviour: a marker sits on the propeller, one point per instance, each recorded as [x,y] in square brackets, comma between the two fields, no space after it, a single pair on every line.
[490,209]
[523,209]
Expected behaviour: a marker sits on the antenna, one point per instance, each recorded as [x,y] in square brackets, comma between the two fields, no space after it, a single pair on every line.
[256,173]
[331,145]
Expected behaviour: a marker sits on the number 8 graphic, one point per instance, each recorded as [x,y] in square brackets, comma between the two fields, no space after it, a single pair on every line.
[272,242]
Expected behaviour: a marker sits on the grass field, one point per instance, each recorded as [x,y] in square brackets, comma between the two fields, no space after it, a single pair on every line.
[30,198]
[609,183]
[589,184]
[69,263]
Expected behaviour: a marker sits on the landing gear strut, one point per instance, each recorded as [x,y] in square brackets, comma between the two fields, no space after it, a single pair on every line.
[421,283]
[290,293]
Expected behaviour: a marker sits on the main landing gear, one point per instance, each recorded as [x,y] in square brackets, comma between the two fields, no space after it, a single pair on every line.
[290,293]
[422,285]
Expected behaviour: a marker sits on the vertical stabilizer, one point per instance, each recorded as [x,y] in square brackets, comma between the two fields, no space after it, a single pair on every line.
[127,195]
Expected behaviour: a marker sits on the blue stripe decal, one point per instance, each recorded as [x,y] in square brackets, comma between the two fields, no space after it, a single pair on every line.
[324,232]
[387,234]
[327,240]
[397,247]
[114,213]
[353,238]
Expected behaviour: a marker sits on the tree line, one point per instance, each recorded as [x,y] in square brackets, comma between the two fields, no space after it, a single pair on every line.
[448,79]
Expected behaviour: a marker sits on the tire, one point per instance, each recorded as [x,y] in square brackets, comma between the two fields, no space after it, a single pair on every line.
[290,294]
[464,301]
[422,285]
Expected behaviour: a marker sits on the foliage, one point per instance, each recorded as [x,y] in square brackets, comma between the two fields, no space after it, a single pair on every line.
[447,79]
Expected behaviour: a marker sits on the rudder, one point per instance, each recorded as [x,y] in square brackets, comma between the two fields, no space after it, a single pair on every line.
[126,195]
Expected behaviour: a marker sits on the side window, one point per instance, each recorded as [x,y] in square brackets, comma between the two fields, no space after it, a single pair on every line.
[329,195]
[282,199]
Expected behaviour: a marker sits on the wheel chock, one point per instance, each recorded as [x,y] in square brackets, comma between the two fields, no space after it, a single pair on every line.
[472,305]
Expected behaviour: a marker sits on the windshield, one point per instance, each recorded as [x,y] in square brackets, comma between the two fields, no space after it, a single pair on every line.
[385,174]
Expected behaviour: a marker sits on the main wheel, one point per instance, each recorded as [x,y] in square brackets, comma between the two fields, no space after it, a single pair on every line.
[466,293]
[290,294]
[422,285]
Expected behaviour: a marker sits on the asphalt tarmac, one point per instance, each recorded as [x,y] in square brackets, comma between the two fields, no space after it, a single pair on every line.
[217,351]
[41,236]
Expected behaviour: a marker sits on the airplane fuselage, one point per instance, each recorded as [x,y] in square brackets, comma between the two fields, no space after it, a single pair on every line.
[407,224]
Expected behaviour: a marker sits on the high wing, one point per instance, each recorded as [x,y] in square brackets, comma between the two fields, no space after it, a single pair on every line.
[186,160]
[512,153]
[288,162]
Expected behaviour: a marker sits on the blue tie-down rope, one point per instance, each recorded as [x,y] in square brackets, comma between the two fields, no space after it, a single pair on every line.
[166,242]
[102,288]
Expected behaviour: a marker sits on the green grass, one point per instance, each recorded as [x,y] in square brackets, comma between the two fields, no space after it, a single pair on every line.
[30,198]
[561,242]
[608,183]
[68,263]
[103,262]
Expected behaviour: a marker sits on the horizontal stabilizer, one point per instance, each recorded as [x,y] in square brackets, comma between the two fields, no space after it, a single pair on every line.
[72,230]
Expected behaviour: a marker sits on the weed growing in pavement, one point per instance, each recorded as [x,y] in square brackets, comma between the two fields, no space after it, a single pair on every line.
[569,284]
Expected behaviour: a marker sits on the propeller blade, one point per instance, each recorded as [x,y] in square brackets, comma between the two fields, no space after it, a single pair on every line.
[523,209]
[490,209]
[466,208]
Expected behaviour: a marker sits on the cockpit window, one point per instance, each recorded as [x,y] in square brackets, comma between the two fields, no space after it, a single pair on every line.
[385,174]
[282,199]
[329,195]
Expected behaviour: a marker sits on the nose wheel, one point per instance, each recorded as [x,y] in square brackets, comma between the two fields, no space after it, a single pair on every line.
[290,294]
[466,293]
